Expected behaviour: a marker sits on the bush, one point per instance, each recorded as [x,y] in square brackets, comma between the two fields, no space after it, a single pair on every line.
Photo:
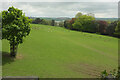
[113,74]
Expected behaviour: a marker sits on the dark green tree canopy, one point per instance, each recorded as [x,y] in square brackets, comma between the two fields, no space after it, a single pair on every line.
[15,25]
[0,19]
[117,29]
[0,16]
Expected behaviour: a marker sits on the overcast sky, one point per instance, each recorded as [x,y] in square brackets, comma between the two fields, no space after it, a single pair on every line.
[59,8]
[59,0]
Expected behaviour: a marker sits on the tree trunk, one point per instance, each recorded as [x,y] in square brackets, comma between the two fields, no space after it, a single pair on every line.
[13,49]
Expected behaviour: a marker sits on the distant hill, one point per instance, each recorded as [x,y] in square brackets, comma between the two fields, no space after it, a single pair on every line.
[49,18]
[56,19]
[107,19]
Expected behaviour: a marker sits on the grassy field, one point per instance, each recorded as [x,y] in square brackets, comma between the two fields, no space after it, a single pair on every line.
[54,52]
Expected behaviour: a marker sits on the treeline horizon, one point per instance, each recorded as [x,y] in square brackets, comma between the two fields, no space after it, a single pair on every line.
[68,18]
[85,23]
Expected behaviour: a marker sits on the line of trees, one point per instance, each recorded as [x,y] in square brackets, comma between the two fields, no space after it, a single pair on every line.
[48,22]
[87,23]
[43,21]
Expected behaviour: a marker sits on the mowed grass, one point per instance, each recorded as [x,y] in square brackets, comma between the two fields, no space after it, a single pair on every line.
[55,52]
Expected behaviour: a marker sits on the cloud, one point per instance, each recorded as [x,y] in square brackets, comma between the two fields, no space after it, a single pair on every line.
[65,9]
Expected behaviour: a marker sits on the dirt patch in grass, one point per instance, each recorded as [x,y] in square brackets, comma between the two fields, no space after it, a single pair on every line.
[7,56]
[19,56]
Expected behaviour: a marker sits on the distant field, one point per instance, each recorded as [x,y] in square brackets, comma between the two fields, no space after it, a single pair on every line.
[55,52]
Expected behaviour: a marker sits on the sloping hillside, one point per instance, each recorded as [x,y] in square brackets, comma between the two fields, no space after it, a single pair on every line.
[55,52]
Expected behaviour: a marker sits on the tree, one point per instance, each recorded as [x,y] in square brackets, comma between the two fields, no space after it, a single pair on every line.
[83,22]
[0,25]
[78,15]
[44,22]
[0,16]
[102,27]
[15,26]
[40,21]
[117,29]
[70,26]
[36,21]
[92,27]
[65,24]
[111,28]
[53,23]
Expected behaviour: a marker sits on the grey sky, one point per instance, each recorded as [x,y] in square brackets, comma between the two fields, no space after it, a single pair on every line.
[59,0]
[65,9]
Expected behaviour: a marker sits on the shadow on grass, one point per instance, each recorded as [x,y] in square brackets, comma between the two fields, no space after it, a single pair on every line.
[6,58]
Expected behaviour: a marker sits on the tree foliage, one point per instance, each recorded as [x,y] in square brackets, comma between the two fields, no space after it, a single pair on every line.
[15,26]
[82,23]
[71,22]
[78,15]
[111,28]
[0,16]
[0,25]
[53,23]
[117,29]
[102,27]
[37,21]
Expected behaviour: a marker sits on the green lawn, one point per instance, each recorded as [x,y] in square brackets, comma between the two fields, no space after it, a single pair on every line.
[55,52]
